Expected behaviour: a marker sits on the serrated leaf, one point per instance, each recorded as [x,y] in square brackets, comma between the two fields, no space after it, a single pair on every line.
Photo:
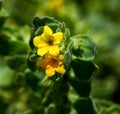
[83,47]
[83,69]
[82,88]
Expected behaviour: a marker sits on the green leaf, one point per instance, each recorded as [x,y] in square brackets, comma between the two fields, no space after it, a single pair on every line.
[6,74]
[1,2]
[3,105]
[107,107]
[19,80]
[34,57]
[83,47]
[31,80]
[21,15]
[82,88]
[83,69]
[41,21]
[3,16]
[67,58]
[85,106]
[18,47]
[17,62]
[31,61]
[4,45]
[12,47]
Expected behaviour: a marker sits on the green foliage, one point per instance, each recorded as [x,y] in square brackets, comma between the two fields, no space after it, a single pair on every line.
[6,75]
[24,86]
[107,107]
[86,69]
[19,62]
[3,16]
[80,62]
[82,88]
[1,2]
[85,106]
[84,47]
[12,47]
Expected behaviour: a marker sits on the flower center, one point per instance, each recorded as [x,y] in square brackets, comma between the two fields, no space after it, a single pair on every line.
[54,62]
[50,42]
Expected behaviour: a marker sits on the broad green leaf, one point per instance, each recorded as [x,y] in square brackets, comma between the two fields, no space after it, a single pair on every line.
[85,106]
[83,47]
[17,62]
[31,61]
[83,69]
[31,65]
[3,105]
[19,80]
[51,109]
[82,88]
[41,21]
[12,47]
[18,47]
[3,16]
[22,15]
[31,80]
[107,107]
[4,45]
[34,57]
[6,74]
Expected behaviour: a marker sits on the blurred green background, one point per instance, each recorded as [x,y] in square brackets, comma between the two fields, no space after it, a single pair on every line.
[98,18]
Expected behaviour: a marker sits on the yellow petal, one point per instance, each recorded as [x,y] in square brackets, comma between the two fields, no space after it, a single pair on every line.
[43,63]
[42,51]
[39,42]
[58,37]
[60,69]
[54,50]
[47,30]
[61,57]
[36,41]
[50,71]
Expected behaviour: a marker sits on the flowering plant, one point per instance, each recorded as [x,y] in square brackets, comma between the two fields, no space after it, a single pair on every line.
[53,74]
[62,61]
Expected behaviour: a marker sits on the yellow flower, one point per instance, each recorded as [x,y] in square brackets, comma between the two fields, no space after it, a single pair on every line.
[53,64]
[55,5]
[48,42]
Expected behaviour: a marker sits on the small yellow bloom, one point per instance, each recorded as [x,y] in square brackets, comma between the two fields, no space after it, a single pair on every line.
[48,42]
[55,5]
[53,64]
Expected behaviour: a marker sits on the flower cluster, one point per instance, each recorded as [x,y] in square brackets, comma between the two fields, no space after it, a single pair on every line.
[48,47]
